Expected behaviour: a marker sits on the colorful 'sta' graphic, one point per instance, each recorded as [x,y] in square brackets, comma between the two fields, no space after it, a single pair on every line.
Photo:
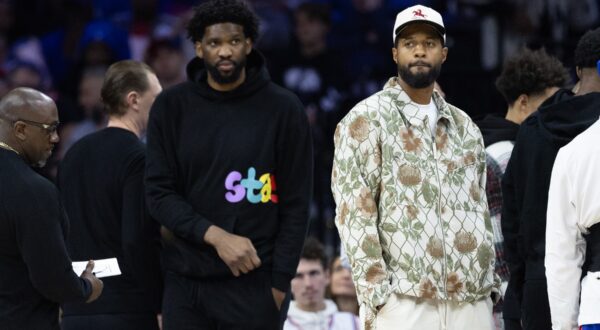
[255,191]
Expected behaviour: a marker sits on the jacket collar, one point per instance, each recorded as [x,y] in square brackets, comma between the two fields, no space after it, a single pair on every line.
[409,110]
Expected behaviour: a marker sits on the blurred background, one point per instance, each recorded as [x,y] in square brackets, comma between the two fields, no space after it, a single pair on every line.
[330,53]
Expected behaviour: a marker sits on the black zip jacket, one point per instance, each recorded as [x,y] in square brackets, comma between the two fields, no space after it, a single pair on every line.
[35,270]
[240,160]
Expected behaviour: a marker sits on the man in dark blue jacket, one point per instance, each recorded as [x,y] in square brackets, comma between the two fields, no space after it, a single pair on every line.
[35,269]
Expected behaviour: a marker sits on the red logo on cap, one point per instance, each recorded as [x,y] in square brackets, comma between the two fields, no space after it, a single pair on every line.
[418,13]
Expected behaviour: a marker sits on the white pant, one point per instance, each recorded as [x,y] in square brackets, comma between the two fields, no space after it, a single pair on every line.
[406,313]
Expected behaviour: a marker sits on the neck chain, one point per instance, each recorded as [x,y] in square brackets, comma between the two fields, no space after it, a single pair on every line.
[7,147]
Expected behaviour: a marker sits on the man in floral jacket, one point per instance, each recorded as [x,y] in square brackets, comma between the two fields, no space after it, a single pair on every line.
[408,179]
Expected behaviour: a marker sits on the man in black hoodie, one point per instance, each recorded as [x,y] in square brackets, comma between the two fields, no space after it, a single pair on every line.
[35,269]
[527,80]
[228,175]
[526,181]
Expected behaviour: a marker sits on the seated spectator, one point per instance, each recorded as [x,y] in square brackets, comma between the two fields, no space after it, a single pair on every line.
[24,74]
[165,56]
[341,287]
[90,105]
[310,309]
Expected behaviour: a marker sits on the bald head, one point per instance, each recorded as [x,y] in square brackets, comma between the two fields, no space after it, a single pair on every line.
[28,124]
[24,102]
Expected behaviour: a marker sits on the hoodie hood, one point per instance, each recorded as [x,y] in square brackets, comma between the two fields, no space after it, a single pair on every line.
[563,116]
[256,78]
[496,128]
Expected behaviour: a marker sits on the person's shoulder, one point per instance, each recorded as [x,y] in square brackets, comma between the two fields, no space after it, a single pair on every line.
[24,191]
[86,142]
[531,120]
[178,89]
[279,98]
[112,142]
[584,145]
[369,109]
[460,116]
[530,131]
[464,122]
[168,96]
[277,92]
[384,98]
[122,148]
[36,187]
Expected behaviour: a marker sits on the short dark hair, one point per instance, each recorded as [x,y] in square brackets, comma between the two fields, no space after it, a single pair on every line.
[121,78]
[316,11]
[313,250]
[222,11]
[530,73]
[587,52]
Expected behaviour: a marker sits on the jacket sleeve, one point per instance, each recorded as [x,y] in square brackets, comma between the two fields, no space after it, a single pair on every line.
[140,234]
[294,187]
[165,202]
[356,189]
[40,238]
[565,246]
[483,203]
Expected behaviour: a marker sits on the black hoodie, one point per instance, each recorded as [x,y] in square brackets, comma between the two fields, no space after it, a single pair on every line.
[495,128]
[527,179]
[240,160]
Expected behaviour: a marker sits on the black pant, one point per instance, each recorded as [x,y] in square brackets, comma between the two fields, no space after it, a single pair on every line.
[511,309]
[233,303]
[110,321]
[535,306]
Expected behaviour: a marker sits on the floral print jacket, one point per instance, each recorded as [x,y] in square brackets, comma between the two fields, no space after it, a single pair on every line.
[411,207]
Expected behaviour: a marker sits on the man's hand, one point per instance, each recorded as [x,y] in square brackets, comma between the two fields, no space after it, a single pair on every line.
[278,296]
[97,284]
[237,252]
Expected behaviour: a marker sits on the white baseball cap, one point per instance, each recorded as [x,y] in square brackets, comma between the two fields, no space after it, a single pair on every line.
[422,14]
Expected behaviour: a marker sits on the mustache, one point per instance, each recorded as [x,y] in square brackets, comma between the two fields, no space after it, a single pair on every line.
[419,63]
[226,62]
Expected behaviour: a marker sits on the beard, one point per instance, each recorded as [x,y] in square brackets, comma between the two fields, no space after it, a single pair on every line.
[42,160]
[40,163]
[419,79]
[233,76]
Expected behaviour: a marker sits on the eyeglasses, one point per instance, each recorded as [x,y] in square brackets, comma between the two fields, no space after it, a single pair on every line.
[49,128]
